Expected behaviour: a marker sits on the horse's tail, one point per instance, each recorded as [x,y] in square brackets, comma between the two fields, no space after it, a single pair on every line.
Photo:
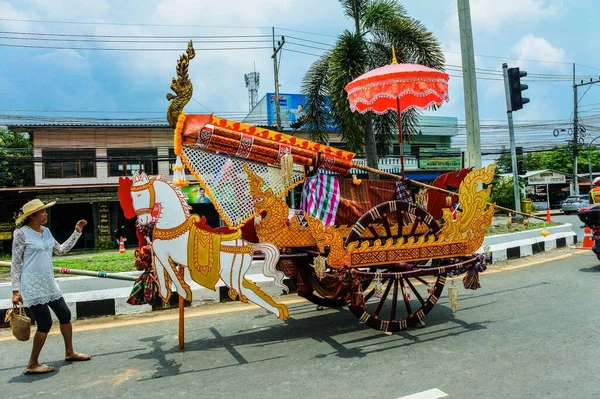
[271,253]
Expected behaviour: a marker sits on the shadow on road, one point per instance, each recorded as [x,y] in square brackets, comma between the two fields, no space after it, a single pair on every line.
[593,269]
[322,327]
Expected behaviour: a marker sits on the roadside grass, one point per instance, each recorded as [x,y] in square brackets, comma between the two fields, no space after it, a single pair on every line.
[113,262]
[514,228]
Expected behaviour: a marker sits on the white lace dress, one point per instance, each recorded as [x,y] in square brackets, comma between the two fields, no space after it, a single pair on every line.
[31,269]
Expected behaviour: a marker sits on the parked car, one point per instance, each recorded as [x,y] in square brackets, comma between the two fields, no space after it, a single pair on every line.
[574,203]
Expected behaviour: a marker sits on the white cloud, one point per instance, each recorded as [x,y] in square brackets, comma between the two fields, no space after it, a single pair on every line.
[492,14]
[531,46]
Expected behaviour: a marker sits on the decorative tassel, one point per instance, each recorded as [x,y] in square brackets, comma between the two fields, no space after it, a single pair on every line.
[430,289]
[378,285]
[356,181]
[421,199]
[471,279]
[448,200]
[320,267]
[179,173]
[287,170]
[453,297]
[232,294]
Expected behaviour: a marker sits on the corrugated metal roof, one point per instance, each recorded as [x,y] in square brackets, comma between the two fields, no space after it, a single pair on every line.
[86,125]
[65,187]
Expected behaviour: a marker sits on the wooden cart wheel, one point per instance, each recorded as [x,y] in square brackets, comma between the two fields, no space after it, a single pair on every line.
[416,299]
[393,219]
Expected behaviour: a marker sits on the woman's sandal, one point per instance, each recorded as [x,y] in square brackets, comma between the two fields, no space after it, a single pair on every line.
[41,369]
[78,357]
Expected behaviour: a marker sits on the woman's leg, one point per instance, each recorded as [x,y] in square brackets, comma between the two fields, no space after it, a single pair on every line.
[62,312]
[43,320]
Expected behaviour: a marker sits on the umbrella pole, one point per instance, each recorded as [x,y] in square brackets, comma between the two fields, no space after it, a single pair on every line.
[400,138]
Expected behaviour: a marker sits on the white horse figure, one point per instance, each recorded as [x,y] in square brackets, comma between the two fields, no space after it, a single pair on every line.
[179,238]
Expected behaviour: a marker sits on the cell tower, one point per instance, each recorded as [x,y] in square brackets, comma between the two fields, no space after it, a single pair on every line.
[252,83]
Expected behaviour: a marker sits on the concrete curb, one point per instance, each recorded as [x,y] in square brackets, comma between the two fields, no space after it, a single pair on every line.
[526,243]
[102,297]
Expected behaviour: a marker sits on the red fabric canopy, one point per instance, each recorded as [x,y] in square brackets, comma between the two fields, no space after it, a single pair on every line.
[416,86]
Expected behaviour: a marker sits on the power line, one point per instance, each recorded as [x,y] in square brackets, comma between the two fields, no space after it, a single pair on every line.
[134,41]
[131,24]
[131,49]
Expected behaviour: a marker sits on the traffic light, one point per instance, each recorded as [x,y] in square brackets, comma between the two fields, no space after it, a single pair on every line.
[516,88]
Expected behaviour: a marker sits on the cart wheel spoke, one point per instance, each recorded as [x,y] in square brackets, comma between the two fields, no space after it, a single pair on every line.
[386,225]
[394,301]
[412,287]
[373,231]
[382,300]
[406,300]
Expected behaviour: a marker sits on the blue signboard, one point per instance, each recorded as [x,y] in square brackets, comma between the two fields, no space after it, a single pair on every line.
[292,108]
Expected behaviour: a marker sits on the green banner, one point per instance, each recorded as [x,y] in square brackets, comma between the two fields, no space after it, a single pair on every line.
[195,194]
[439,158]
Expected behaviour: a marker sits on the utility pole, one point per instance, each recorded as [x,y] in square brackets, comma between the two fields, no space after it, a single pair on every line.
[576,131]
[276,72]
[511,132]
[575,137]
[473,155]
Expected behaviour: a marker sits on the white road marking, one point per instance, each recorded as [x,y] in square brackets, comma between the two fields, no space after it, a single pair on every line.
[430,394]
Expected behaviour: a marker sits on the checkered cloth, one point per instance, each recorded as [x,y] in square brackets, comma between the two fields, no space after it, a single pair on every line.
[321,197]
[402,192]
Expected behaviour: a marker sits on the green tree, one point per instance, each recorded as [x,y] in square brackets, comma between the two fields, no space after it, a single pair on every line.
[559,158]
[16,163]
[503,192]
[378,25]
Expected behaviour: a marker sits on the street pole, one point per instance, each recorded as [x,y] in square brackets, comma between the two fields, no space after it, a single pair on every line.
[511,132]
[575,136]
[590,159]
[473,154]
[276,73]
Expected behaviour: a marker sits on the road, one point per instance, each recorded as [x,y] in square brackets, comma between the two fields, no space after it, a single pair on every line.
[574,220]
[531,331]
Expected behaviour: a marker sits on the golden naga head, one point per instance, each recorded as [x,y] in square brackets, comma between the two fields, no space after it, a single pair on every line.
[263,200]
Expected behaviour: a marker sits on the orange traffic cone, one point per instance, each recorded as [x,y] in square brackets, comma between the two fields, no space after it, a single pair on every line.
[121,246]
[588,242]
[548,218]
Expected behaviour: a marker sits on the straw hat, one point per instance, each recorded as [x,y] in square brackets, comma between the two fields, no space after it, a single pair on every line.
[32,207]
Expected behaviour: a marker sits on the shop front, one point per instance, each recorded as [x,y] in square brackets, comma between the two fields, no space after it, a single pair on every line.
[546,188]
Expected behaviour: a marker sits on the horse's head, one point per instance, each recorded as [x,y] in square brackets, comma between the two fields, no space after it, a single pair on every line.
[143,197]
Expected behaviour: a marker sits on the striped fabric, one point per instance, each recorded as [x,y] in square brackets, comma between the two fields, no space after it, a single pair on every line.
[357,200]
[321,197]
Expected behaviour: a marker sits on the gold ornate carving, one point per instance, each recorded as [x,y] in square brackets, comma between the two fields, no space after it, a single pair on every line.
[461,236]
[182,86]
[273,226]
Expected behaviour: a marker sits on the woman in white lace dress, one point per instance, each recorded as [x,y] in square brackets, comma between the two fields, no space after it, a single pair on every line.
[33,281]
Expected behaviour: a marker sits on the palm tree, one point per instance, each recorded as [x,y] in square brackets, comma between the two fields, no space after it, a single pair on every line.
[378,25]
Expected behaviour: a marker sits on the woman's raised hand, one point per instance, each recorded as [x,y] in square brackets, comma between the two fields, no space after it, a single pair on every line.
[79,225]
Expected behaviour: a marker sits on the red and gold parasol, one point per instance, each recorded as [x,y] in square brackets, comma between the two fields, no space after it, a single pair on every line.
[398,87]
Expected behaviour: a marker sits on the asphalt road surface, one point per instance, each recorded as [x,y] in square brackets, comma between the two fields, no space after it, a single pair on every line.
[531,331]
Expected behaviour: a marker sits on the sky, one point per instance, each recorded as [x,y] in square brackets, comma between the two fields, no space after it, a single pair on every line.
[543,37]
